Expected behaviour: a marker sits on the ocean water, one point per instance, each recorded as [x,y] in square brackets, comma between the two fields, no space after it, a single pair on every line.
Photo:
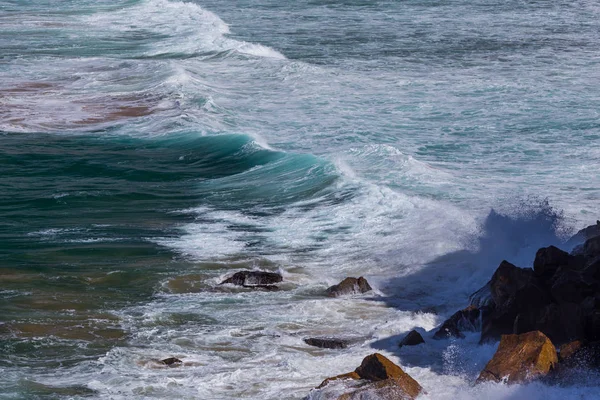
[151,148]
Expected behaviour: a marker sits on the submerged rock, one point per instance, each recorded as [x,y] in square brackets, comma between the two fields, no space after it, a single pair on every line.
[172,362]
[349,286]
[460,321]
[388,380]
[327,343]
[521,358]
[258,279]
[413,338]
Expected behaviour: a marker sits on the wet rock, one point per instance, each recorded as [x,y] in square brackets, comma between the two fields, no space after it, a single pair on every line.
[349,286]
[463,320]
[567,350]
[350,375]
[413,338]
[172,362]
[521,358]
[390,378]
[514,291]
[591,248]
[388,389]
[258,279]
[569,286]
[549,259]
[482,297]
[562,323]
[583,235]
[327,343]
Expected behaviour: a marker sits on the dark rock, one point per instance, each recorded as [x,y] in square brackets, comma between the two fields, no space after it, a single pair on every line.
[349,286]
[591,248]
[253,278]
[569,286]
[377,368]
[327,343]
[583,235]
[549,259]
[562,323]
[413,338]
[463,320]
[520,359]
[172,362]
[482,297]
[514,291]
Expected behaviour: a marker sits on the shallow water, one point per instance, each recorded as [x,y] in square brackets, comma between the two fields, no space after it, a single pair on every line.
[150,148]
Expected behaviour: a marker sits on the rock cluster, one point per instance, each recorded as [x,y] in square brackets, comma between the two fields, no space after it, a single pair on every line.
[560,297]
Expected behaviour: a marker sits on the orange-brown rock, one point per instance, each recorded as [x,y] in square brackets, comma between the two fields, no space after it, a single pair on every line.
[521,358]
[349,375]
[377,368]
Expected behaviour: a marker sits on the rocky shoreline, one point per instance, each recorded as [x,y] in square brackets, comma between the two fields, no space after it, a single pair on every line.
[547,319]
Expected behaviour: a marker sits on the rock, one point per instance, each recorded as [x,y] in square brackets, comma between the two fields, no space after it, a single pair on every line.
[327,343]
[591,248]
[562,323]
[567,350]
[349,286]
[388,389]
[259,279]
[521,358]
[413,338]
[569,286]
[388,376]
[463,320]
[579,354]
[514,291]
[350,375]
[584,234]
[549,259]
[172,362]
[482,297]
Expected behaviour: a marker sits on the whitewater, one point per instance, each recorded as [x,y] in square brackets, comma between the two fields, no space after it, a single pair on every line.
[151,148]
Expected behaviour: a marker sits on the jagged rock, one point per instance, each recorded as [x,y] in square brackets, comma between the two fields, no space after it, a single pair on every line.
[583,235]
[413,338]
[591,247]
[560,322]
[549,259]
[388,376]
[569,286]
[327,343]
[521,358]
[349,286]
[514,291]
[171,362]
[482,297]
[258,279]
[463,320]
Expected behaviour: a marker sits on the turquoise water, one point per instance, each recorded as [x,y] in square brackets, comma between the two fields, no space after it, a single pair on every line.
[150,148]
